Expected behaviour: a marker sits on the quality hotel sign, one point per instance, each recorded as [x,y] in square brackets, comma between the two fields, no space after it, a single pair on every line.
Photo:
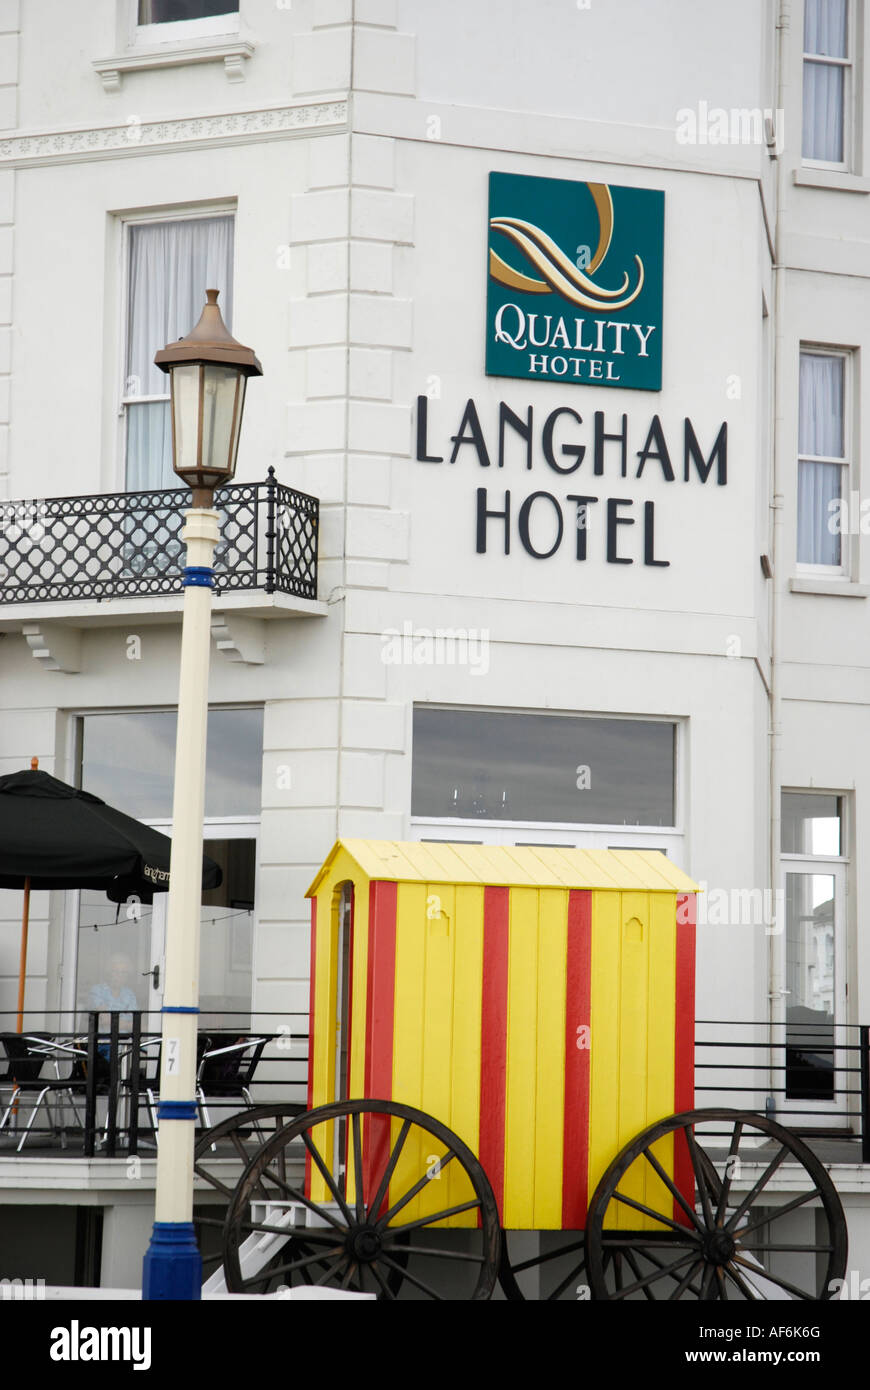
[574,297]
[575,282]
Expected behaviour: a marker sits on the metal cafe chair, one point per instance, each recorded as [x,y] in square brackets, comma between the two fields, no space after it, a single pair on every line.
[226,1070]
[23,1067]
[27,1054]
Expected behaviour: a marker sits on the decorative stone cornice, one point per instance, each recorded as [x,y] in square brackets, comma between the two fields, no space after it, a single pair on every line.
[191,132]
[232,52]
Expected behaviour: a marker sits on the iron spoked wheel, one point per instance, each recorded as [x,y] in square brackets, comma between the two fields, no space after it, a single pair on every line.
[546,1265]
[721,1230]
[366,1187]
[218,1157]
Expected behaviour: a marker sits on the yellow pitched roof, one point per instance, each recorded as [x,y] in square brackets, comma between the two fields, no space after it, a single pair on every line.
[404,861]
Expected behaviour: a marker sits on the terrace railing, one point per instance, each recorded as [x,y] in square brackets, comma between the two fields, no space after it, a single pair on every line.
[101,1068]
[128,544]
[813,1078]
[821,1090]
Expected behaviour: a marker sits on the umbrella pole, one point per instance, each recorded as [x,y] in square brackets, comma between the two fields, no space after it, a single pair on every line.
[22,975]
[22,968]
[25,924]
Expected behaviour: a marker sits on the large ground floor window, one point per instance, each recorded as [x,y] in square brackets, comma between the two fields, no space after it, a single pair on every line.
[518,777]
[114,958]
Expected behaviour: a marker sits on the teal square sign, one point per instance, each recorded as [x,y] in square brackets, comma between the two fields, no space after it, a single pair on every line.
[574,290]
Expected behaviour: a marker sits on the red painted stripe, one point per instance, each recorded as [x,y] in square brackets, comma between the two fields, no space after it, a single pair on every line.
[380,1000]
[578,999]
[684,1044]
[493,1037]
[311,978]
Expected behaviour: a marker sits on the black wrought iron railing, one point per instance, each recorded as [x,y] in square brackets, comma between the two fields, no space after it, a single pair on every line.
[128,544]
[101,1102]
[88,1084]
[813,1078]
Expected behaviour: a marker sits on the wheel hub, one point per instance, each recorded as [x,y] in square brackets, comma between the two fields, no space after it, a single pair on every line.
[366,1243]
[719,1247]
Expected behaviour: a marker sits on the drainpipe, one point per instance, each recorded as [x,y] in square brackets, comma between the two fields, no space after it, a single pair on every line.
[778,405]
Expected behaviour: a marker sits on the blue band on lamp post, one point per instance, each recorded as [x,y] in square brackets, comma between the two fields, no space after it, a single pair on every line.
[197,577]
[176,1110]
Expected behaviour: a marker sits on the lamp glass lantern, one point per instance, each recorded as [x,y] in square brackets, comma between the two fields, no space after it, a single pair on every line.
[208,371]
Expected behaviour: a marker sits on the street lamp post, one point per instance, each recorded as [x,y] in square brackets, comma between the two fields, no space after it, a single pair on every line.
[208,371]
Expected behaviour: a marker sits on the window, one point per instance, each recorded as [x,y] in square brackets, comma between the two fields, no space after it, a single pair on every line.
[814,893]
[823,459]
[171,265]
[527,768]
[128,760]
[827,81]
[170,11]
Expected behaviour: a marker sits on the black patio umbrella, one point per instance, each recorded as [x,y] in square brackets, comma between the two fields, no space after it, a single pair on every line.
[56,836]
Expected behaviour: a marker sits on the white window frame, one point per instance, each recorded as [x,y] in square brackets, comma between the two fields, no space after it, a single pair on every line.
[850,87]
[188,214]
[560,836]
[848,551]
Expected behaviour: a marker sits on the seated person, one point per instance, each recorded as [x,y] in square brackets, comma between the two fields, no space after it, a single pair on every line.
[113,995]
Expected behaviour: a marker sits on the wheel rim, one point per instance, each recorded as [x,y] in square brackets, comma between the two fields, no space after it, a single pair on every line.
[376,1222]
[235,1140]
[720,1231]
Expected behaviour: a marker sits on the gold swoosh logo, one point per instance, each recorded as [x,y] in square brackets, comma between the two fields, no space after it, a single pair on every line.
[558,272]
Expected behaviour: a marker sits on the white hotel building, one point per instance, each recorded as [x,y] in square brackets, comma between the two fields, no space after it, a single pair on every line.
[661,642]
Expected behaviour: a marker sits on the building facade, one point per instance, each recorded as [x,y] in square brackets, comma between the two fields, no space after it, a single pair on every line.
[586,575]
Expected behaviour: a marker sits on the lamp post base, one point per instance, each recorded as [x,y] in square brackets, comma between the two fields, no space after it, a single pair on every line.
[173,1265]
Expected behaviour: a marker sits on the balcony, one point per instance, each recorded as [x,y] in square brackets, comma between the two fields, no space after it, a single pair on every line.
[73,562]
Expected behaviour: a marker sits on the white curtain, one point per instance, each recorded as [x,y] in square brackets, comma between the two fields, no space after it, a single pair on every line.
[172,264]
[825,33]
[820,433]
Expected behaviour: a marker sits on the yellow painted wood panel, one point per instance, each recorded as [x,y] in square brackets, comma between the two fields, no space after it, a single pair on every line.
[604,1029]
[439,928]
[409,1035]
[323,1044]
[522,1021]
[436,1055]
[660,1049]
[634,1039]
[464,1116]
[550,1058]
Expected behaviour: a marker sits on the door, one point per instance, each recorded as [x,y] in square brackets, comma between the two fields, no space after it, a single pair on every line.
[813,1008]
[809,1009]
